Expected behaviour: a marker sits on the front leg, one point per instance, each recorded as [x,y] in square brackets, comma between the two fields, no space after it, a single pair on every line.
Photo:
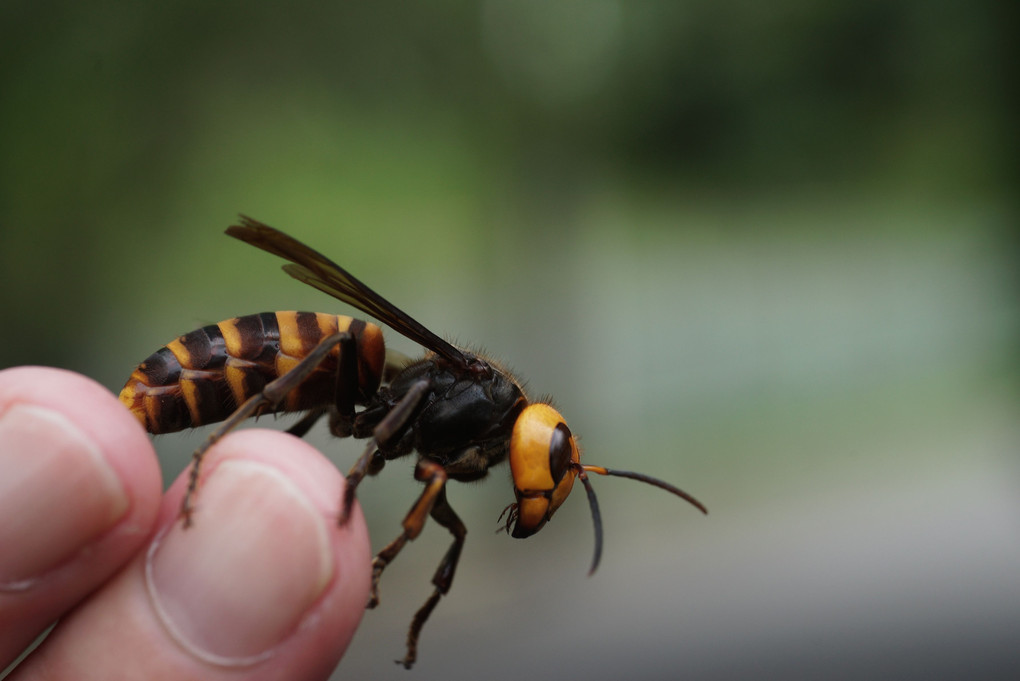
[435,478]
[431,502]
[442,579]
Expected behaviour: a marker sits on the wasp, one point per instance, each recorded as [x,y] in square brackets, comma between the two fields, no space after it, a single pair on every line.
[461,412]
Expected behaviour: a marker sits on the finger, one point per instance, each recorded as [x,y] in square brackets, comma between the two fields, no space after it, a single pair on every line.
[264,584]
[79,491]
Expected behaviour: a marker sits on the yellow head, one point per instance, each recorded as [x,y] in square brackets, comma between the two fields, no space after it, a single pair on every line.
[544,460]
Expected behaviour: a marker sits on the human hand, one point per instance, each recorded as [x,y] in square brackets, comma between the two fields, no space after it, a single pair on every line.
[264,582]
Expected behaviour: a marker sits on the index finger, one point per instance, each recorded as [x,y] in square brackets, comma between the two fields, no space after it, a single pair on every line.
[79,491]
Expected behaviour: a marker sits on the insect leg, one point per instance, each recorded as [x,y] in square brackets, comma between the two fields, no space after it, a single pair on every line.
[345,389]
[301,428]
[443,514]
[393,425]
[271,394]
[435,478]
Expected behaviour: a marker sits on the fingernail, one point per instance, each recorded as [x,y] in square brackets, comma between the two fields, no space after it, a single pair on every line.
[57,493]
[239,581]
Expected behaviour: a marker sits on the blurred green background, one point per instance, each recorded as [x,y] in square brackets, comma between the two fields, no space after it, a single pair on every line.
[763,250]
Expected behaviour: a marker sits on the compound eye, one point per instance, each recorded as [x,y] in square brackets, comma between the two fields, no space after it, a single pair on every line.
[560,452]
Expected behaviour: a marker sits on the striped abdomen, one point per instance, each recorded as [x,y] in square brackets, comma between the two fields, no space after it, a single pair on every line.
[203,376]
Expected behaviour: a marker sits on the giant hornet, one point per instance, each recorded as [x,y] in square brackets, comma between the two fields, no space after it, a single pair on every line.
[460,411]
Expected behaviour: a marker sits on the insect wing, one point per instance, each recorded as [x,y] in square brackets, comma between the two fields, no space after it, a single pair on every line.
[315,269]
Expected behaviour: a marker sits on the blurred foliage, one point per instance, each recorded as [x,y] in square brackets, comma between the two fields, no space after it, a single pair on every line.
[125,125]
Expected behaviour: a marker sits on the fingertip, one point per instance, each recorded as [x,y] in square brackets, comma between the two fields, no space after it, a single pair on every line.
[101,418]
[73,464]
[264,572]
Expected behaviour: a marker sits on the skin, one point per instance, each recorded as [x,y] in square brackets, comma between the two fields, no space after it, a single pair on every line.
[265,585]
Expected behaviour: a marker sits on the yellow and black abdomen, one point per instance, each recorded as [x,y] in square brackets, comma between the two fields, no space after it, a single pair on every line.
[203,376]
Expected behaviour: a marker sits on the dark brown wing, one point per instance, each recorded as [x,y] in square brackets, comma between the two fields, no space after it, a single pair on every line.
[317,270]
